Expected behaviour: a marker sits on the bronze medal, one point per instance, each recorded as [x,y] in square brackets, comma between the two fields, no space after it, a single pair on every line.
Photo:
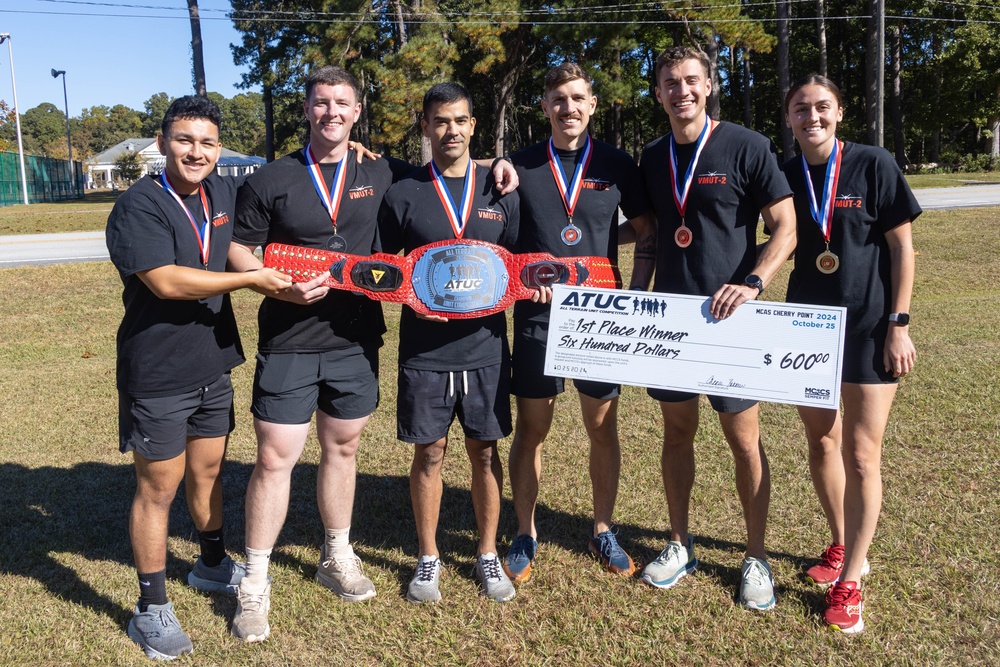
[827,262]
[683,236]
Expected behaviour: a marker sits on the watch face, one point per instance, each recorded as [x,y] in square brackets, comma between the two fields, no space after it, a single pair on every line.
[754,280]
[902,319]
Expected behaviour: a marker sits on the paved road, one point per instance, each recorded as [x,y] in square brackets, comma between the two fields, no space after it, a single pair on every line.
[41,249]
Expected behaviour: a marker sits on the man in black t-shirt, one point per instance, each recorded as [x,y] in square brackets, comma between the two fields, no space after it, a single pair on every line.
[168,236]
[458,366]
[571,188]
[710,182]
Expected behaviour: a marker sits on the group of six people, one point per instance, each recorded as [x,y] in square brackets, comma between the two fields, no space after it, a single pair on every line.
[185,239]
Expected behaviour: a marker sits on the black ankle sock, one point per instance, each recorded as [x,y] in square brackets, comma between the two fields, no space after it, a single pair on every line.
[152,589]
[213,546]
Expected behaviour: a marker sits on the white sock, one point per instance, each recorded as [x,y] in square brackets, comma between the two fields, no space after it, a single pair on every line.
[257,564]
[338,543]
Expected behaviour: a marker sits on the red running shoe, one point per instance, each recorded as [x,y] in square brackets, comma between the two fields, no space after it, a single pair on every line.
[844,607]
[827,571]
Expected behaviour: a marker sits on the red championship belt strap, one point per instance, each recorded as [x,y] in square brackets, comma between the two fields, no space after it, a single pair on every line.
[455,279]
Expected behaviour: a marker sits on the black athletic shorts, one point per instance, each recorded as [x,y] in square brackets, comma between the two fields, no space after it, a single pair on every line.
[428,402]
[289,387]
[863,362]
[158,428]
[726,404]
[528,362]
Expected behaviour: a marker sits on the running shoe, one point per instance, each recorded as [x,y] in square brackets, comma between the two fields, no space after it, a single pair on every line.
[495,584]
[424,585]
[827,571]
[344,577]
[614,559]
[844,607]
[519,558]
[223,578]
[757,585]
[674,562]
[159,632]
[250,623]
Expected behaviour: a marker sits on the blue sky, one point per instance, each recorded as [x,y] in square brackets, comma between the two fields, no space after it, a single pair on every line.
[113,53]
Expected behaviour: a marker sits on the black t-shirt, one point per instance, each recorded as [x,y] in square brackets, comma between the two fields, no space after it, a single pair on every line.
[612,179]
[736,176]
[872,198]
[170,346]
[279,204]
[412,216]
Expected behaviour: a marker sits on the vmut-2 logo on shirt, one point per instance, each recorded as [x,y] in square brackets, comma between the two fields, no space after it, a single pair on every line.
[361,192]
[490,213]
[848,201]
[711,178]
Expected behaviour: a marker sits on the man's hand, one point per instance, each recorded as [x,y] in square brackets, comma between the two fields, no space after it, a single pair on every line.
[899,355]
[269,282]
[506,176]
[362,152]
[542,295]
[729,298]
[304,293]
[432,318]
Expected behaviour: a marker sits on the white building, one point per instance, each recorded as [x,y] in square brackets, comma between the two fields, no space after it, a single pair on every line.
[101,167]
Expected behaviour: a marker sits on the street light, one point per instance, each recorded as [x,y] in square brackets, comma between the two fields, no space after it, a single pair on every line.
[69,141]
[5,37]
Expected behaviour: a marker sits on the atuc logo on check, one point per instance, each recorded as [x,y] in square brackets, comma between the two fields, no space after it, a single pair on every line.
[597,301]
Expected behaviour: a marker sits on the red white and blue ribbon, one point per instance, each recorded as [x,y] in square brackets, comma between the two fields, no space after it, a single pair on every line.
[331,197]
[570,192]
[204,232]
[681,191]
[458,216]
[822,210]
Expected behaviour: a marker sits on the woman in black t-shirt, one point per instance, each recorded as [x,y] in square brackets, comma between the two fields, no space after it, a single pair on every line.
[855,250]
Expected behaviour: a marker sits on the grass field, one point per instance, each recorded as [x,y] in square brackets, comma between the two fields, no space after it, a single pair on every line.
[67,585]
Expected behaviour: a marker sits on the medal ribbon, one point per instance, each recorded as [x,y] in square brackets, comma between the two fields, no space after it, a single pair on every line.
[332,197]
[570,192]
[458,216]
[204,233]
[822,214]
[681,195]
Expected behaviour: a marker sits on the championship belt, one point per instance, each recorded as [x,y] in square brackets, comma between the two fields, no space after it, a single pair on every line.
[456,279]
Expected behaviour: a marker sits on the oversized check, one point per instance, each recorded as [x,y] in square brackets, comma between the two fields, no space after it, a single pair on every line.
[782,352]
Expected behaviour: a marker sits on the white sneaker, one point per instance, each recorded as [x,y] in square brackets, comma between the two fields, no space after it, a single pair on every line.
[424,585]
[496,585]
[250,623]
[674,562]
[757,585]
[344,577]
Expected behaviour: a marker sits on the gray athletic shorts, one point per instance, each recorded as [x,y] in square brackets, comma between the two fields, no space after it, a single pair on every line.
[727,404]
[428,402]
[289,387]
[158,428]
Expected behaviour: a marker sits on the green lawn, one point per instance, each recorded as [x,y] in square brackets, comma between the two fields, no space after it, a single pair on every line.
[68,587]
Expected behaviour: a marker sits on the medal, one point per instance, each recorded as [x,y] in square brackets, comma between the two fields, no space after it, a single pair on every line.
[458,216]
[203,233]
[822,211]
[569,191]
[827,262]
[683,235]
[331,198]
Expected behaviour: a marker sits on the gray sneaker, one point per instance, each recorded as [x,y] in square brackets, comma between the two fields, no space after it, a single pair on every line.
[674,562]
[496,585]
[250,623]
[159,632]
[344,577]
[757,586]
[223,578]
[424,585]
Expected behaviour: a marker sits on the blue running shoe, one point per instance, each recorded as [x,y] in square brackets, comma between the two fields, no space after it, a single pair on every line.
[519,558]
[614,559]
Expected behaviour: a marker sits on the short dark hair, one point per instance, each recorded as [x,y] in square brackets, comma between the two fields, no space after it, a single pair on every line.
[331,75]
[814,80]
[446,93]
[675,55]
[564,73]
[191,106]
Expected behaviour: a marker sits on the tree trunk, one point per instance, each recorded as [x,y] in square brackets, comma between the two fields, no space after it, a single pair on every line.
[898,138]
[747,98]
[871,74]
[197,55]
[934,153]
[712,51]
[784,75]
[268,122]
[821,35]
[994,123]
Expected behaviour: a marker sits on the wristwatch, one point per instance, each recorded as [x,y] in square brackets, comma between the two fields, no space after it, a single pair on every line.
[902,319]
[753,280]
